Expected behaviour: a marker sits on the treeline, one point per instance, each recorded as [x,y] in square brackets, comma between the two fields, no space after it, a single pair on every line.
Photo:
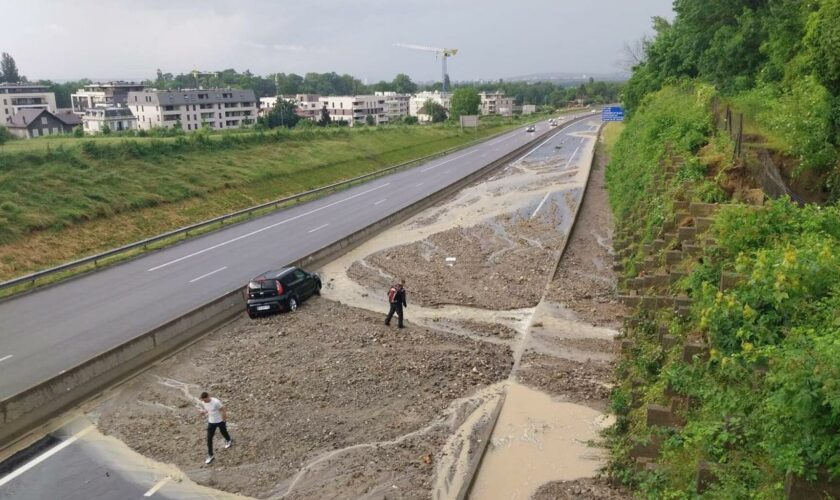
[779,60]
[540,93]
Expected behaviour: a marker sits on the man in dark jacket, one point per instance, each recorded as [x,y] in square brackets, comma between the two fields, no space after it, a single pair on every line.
[396,300]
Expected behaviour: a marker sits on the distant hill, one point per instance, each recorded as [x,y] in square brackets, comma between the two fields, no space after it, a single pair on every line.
[568,77]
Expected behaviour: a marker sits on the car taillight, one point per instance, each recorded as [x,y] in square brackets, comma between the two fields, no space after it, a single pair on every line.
[279,288]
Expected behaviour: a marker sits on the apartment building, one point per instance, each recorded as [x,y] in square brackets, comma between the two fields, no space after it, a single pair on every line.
[354,109]
[396,105]
[17,96]
[217,108]
[107,94]
[495,103]
[117,118]
[308,105]
[417,101]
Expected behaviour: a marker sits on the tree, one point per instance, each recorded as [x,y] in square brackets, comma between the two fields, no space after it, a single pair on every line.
[436,111]
[402,84]
[5,135]
[8,69]
[106,129]
[465,101]
[325,117]
[370,120]
[282,114]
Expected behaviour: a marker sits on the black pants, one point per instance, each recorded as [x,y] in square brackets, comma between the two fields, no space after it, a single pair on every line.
[211,431]
[396,307]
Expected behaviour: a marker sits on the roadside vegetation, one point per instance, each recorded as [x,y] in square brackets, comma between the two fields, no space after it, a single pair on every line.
[777,61]
[764,405]
[90,195]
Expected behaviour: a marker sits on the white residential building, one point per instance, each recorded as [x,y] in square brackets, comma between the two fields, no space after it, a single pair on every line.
[117,118]
[396,105]
[107,94]
[354,109]
[418,100]
[17,96]
[308,105]
[193,108]
[495,103]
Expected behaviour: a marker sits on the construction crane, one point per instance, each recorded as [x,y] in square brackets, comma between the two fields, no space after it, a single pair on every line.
[443,53]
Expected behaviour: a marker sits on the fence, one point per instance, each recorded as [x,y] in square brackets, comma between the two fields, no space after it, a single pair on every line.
[761,166]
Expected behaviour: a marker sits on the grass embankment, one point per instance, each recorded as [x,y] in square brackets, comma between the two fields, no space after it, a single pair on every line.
[767,400]
[63,203]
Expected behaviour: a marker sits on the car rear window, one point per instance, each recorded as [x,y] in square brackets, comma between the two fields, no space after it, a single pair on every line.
[261,285]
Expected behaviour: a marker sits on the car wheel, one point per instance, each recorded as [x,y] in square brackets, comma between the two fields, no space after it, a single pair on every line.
[293,305]
[317,288]
[251,315]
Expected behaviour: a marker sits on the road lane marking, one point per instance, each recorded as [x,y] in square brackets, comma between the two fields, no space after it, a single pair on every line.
[156,487]
[573,155]
[447,161]
[322,226]
[43,456]
[208,274]
[545,141]
[290,219]
[380,201]
[541,204]
[418,184]
[4,358]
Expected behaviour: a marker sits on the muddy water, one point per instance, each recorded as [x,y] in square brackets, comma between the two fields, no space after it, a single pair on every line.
[537,440]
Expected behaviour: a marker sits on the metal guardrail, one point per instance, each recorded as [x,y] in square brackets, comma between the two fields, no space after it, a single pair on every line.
[94,259]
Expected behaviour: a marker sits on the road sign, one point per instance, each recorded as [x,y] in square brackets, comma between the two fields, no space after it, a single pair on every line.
[612,114]
[469,121]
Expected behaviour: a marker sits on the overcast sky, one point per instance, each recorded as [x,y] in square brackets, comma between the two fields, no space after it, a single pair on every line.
[60,39]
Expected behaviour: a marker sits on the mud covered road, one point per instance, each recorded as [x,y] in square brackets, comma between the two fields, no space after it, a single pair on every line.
[329,403]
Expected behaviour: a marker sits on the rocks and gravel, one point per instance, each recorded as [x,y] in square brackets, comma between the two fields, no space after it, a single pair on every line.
[501,264]
[585,281]
[580,489]
[297,386]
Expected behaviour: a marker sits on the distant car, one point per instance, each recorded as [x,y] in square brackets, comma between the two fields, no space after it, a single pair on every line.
[552,122]
[530,128]
[280,290]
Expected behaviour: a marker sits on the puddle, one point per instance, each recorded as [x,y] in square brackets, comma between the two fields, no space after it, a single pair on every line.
[537,440]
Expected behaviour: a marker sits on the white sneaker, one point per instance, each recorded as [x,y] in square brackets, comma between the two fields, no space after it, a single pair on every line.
[209,459]
[228,444]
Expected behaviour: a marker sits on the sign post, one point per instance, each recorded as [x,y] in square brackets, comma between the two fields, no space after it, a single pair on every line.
[612,114]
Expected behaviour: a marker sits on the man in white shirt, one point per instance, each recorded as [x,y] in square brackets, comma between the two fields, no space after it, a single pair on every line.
[216,416]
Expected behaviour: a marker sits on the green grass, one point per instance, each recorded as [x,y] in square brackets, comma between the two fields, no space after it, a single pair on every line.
[69,202]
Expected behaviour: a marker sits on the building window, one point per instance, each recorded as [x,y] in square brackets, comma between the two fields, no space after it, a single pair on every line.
[43,120]
[34,132]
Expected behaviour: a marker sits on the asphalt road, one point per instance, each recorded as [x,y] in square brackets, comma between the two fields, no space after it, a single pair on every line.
[51,330]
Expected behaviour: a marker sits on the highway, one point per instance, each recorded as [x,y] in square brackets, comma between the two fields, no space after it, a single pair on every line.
[48,331]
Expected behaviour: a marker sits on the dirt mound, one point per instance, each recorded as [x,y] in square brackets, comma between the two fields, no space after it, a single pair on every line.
[585,281]
[298,386]
[577,382]
[590,489]
[501,264]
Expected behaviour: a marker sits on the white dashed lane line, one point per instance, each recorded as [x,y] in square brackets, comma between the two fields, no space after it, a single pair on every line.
[156,487]
[43,456]
[208,274]
[380,201]
[4,358]
[322,226]
[290,219]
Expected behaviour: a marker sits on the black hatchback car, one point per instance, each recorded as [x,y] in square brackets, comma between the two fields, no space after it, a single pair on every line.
[280,290]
